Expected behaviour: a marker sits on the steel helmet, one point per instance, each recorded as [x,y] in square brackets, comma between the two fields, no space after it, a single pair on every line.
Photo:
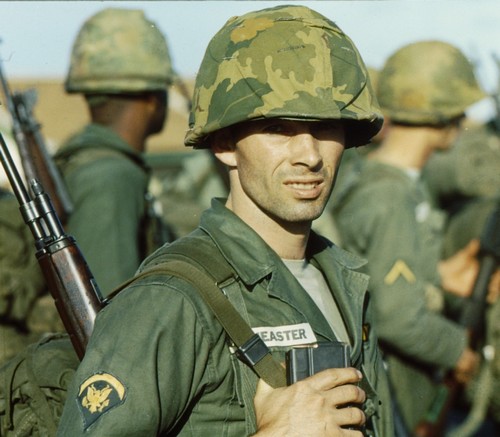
[283,62]
[428,82]
[117,51]
[373,73]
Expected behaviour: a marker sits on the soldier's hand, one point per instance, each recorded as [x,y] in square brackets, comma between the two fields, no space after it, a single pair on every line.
[321,405]
[466,366]
[459,271]
[494,287]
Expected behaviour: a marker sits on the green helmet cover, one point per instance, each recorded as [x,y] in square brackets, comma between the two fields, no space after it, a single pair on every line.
[283,62]
[119,51]
[427,82]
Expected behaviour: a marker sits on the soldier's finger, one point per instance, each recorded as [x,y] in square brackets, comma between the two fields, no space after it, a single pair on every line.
[350,419]
[331,378]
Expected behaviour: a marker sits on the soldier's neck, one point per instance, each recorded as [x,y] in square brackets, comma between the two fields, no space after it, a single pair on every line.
[288,240]
[405,147]
[133,133]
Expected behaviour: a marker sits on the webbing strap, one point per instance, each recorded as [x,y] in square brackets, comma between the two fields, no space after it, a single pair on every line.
[39,399]
[250,347]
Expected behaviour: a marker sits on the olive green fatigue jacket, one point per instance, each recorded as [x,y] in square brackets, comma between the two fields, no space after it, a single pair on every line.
[159,363]
[467,170]
[107,181]
[386,218]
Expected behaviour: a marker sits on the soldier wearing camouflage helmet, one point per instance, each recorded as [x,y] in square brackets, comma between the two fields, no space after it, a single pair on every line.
[465,182]
[387,217]
[120,63]
[279,94]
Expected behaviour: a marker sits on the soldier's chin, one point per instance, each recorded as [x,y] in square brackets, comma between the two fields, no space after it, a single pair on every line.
[306,217]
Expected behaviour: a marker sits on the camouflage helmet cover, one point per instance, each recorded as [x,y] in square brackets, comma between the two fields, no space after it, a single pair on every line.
[282,62]
[427,82]
[119,50]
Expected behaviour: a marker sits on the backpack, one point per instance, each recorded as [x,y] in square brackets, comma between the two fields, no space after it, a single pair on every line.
[33,387]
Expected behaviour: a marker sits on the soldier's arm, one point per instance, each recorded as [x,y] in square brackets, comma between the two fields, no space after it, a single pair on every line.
[139,373]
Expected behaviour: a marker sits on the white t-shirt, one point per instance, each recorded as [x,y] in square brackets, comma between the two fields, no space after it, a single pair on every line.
[314,283]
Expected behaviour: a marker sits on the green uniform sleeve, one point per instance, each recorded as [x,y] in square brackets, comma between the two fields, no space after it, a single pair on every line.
[108,196]
[385,233]
[137,377]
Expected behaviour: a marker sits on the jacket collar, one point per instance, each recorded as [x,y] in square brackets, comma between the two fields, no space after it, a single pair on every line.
[100,137]
[253,260]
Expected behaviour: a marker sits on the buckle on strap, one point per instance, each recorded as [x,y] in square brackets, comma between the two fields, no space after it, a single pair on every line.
[253,350]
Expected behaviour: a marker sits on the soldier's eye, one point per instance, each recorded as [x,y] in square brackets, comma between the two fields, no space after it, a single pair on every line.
[326,130]
[278,128]
[324,127]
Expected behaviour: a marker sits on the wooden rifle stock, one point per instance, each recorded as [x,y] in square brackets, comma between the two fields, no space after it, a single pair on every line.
[472,318]
[66,272]
[35,158]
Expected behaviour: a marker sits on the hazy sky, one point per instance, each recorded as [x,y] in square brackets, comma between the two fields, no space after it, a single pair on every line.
[37,35]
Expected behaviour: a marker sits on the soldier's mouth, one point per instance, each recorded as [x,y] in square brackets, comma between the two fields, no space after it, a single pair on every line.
[305,189]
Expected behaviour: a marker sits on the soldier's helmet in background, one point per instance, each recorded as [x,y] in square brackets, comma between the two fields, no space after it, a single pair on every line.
[373,73]
[427,83]
[284,62]
[119,50]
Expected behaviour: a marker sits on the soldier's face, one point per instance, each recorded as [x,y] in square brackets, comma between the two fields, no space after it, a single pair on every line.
[160,114]
[449,133]
[283,170]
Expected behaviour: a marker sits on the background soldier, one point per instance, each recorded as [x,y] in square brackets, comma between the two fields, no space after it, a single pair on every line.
[387,217]
[465,182]
[120,63]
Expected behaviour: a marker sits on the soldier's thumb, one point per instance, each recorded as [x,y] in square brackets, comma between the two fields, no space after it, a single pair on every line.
[472,248]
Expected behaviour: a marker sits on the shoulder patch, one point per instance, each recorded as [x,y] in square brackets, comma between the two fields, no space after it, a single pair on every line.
[98,394]
[400,268]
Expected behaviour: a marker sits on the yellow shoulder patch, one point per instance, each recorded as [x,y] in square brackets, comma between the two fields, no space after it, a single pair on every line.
[98,394]
[400,268]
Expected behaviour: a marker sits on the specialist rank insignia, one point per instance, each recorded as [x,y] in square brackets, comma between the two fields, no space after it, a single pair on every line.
[99,394]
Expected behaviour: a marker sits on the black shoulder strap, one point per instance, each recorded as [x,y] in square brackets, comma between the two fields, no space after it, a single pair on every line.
[206,270]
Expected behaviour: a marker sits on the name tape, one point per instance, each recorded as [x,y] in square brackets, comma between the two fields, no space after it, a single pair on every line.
[288,335]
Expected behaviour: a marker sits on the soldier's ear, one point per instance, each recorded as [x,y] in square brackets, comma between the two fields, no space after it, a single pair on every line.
[222,145]
[154,102]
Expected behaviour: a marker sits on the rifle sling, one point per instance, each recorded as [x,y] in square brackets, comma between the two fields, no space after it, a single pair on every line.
[184,262]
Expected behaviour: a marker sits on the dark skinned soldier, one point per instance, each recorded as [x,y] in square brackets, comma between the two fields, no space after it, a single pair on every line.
[120,63]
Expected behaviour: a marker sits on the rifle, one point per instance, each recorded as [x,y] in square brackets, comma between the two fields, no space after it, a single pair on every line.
[36,161]
[472,318]
[71,284]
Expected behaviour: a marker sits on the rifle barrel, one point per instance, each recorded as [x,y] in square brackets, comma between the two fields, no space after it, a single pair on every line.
[69,279]
[12,173]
